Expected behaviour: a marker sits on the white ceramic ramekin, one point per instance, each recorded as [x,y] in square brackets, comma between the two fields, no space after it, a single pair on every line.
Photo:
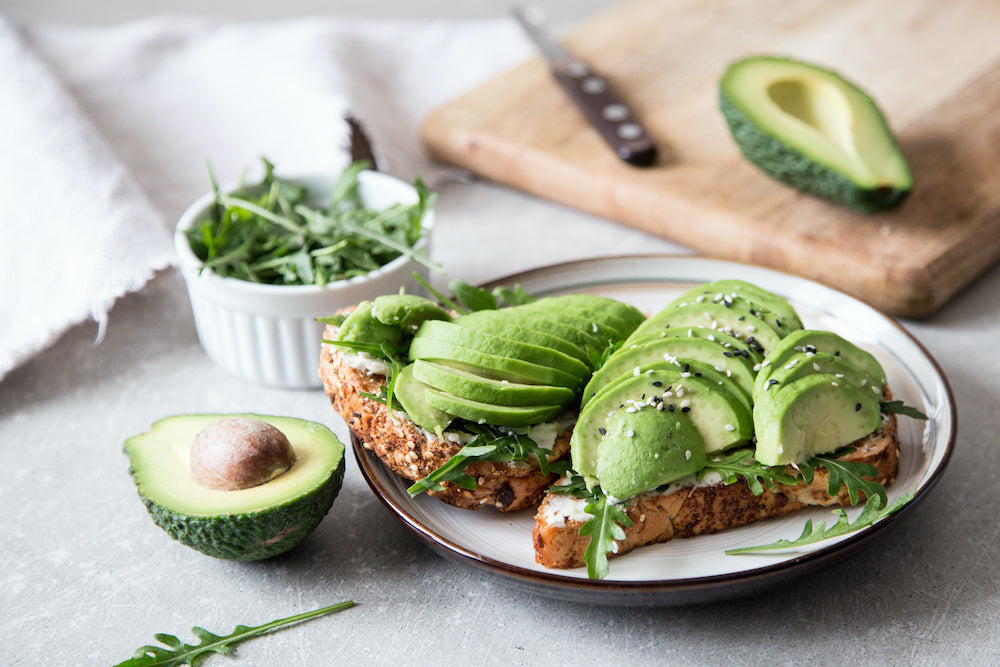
[267,334]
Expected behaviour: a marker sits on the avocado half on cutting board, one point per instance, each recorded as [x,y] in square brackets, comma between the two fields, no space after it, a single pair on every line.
[810,128]
[241,487]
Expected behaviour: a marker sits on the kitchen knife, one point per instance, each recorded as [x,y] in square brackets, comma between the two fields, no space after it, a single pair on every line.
[606,111]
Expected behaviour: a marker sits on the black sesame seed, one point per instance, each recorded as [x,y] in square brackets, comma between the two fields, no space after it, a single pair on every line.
[836,353]
[772,381]
[657,384]
[685,409]
[742,317]
[671,407]
[602,431]
[857,407]
[727,354]
[687,368]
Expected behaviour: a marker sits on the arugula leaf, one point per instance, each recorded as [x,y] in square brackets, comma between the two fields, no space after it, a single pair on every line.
[442,299]
[604,528]
[388,353]
[512,296]
[266,232]
[597,357]
[871,513]
[900,408]
[741,464]
[491,443]
[845,473]
[176,652]
[471,297]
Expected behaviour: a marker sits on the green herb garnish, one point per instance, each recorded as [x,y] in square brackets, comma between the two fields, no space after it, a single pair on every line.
[845,473]
[178,653]
[900,408]
[871,513]
[742,465]
[269,233]
[492,443]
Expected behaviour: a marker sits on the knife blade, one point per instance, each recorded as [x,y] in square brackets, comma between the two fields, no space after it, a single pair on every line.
[593,95]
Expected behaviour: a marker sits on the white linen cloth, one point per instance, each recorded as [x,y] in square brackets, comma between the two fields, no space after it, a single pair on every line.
[105,134]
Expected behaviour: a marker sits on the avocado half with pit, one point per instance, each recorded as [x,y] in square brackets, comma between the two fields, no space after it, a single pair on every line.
[297,481]
[810,128]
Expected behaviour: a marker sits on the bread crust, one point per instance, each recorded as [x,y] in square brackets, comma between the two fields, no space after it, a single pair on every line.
[699,510]
[413,453]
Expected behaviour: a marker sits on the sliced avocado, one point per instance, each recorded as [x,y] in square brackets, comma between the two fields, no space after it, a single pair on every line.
[510,327]
[816,414]
[731,343]
[246,524]
[811,341]
[779,323]
[487,390]
[626,314]
[410,392]
[361,326]
[752,330]
[431,348]
[585,339]
[607,318]
[807,126]
[500,346]
[738,288]
[804,363]
[406,310]
[672,349]
[644,450]
[487,413]
[720,417]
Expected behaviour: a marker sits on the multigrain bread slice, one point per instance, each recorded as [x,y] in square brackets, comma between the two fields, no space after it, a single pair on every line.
[698,509]
[413,453]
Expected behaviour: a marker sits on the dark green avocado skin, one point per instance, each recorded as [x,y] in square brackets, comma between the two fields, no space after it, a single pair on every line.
[253,535]
[794,168]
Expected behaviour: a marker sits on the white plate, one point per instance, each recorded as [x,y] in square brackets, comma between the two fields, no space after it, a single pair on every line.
[696,570]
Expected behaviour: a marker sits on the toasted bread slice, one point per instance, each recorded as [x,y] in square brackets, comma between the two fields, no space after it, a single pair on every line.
[698,509]
[413,453]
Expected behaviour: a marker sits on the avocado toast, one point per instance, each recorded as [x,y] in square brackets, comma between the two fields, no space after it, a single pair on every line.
[494,392]
[718,411]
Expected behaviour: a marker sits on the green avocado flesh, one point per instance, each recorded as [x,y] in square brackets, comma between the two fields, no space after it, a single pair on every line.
[248,524]
[816,414]
[647,449]
[677,350]
[721,366]
[808,127]
[752,330]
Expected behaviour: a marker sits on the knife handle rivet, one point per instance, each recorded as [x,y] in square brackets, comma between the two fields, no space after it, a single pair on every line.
[577,69]
[615,112]
[593,85]
[629,131]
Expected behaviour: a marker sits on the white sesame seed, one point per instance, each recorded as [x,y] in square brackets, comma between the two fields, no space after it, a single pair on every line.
[730,427]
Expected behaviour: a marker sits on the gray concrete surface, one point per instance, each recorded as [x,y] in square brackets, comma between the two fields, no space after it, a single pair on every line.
[85,576]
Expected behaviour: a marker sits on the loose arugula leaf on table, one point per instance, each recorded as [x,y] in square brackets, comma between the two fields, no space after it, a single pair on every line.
[900,408]
[871,513]
[491,443]
[175,652]
[268,233]
[741,464]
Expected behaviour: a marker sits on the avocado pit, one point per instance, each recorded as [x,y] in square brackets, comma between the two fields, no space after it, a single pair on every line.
[239,453]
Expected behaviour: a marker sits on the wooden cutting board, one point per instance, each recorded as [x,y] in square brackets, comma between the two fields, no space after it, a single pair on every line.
[934,68]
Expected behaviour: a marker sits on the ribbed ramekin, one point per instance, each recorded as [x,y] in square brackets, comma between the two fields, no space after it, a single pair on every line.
[267,334]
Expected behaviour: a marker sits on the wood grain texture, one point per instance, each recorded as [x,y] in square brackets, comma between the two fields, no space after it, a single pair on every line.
[933,67]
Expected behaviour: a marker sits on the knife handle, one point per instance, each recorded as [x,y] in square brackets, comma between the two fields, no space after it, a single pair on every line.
[607,112]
